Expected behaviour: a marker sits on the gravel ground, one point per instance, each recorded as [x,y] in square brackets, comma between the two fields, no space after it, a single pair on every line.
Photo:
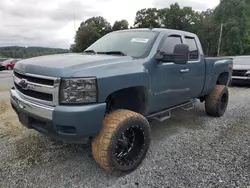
[190,150]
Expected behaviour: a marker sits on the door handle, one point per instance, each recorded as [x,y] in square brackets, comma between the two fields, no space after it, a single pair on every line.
[184,70]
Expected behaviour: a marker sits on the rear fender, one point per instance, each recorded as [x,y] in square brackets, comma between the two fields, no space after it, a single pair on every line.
[223,72]
[214,70]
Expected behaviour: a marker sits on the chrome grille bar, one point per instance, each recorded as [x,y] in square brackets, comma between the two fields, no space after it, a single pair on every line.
[36,87]
[20,79]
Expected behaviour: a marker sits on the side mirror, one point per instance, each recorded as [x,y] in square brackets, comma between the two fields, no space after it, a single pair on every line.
[179,56]
[181,53]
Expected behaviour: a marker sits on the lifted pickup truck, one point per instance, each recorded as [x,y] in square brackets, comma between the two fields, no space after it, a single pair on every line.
[109,93]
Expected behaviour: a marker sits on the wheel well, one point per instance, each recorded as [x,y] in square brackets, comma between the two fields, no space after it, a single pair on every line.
[133,98]
[223,78]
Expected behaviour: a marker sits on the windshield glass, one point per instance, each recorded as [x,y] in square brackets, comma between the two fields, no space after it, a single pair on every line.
[242,60]
[131,43]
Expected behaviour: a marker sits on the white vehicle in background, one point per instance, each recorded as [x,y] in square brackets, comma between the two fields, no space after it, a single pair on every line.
[241,69]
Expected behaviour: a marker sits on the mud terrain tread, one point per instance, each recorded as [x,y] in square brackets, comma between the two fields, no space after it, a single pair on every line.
[213,101]
[101,142]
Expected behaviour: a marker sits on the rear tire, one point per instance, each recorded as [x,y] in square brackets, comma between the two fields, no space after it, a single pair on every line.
[123,141]
[217,101]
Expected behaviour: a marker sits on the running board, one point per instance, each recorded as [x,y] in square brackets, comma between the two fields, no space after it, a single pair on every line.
[189,106]
[166,114]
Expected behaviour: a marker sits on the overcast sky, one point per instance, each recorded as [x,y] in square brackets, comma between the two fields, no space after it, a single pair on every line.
[50,23]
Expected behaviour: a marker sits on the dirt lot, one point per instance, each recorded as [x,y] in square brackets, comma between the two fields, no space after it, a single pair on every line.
[190,150]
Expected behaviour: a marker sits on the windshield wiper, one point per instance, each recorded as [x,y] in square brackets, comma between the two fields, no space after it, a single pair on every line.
[90,51]
[113,53]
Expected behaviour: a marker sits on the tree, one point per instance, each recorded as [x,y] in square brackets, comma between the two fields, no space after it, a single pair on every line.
[23,52]
[234,14]
[208,32]
[146,18]
[120,25]
[176,17]
[90,31]
[73,48]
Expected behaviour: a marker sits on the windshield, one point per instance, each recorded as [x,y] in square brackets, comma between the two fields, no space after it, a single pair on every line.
[136,44]
[242,60]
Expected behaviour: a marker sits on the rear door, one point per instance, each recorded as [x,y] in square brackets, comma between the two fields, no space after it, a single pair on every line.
[194,77]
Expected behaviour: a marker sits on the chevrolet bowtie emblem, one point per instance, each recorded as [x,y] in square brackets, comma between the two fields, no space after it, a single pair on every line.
[23,83]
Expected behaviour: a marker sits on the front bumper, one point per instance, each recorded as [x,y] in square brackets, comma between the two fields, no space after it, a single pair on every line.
[240,78]
[68,123]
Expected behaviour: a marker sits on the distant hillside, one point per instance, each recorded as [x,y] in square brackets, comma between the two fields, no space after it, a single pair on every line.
[23,52]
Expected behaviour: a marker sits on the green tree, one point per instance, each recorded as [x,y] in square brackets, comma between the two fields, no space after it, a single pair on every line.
[235,16]
[179,18]
[146,18]
[90,31]
[22,52]
[208,32]
[120,25]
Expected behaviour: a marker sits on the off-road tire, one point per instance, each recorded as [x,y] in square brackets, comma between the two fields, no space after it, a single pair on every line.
[217,101]
[105,143]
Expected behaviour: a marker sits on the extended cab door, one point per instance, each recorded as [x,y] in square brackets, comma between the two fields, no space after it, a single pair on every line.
[194,78]
[167,82]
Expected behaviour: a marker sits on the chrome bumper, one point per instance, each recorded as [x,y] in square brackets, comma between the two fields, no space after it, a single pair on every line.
[240,77]
[30,107]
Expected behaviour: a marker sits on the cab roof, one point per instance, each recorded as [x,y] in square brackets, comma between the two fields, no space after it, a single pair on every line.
[160,30]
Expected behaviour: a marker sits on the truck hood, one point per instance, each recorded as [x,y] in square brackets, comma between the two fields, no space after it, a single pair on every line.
[65,65]
[241,67]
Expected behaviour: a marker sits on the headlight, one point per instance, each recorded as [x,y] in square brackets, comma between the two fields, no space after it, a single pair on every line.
[248,73]
[78,90]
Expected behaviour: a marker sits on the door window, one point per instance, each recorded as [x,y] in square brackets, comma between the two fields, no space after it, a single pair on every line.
[169,44]
[193,49]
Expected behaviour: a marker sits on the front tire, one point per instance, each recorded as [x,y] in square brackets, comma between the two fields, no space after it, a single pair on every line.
[217,101]
[123,141]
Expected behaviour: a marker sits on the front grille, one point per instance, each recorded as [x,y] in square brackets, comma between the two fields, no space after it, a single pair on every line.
[35,94]
[37,88]
[35,79]
[239,73]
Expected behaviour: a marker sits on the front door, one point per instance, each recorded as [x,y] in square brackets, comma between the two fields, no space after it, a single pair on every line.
[168,87]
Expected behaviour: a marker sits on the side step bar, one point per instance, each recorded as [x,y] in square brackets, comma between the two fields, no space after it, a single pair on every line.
[166,114]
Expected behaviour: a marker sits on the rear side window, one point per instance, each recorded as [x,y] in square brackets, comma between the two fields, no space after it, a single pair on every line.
[193,49]
[169,44]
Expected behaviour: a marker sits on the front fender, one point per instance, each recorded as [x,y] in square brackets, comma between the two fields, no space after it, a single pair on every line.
[109,85]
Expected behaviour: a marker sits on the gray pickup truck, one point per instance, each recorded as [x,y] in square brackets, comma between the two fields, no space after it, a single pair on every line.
[109,93]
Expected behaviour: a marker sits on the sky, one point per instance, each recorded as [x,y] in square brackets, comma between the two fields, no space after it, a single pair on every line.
[50,23]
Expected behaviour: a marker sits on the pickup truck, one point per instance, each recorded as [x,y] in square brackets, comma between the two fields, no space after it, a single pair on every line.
[109,94]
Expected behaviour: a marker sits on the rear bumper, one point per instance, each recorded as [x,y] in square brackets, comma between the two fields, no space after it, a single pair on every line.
[68,123]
